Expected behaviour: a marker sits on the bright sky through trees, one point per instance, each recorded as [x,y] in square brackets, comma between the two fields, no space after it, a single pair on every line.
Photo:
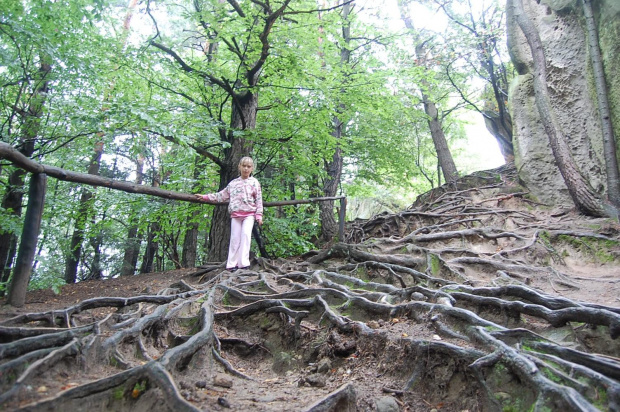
[480,151]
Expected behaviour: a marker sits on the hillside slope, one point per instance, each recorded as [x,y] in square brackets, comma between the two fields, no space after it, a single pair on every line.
[475,298]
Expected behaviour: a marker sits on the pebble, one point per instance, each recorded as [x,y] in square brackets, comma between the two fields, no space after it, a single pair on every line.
[373,324]
[223,381]
[223,402]
[316,380]
[387,404]
[324,365]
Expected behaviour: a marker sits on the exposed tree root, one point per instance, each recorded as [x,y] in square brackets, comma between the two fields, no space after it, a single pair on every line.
[451,308]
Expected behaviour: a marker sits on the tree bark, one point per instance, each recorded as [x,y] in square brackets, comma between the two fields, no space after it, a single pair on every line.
[152,244]
[190,242]
[84,210]
[28,245]
[12,202]
[584,197]
[243,117]
[132,248]
[14,196]
[152,247]
[333,167]
[9,153]
[609,141]
[444,157]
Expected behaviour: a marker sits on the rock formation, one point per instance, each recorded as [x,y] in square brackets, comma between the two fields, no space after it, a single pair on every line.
[560,24]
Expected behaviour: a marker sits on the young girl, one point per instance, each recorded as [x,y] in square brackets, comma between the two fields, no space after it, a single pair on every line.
[245,205]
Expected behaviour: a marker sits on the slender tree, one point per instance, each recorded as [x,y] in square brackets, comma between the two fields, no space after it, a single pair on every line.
[28,246]
[84,211]
[479,41]
[609,140]
[444,156]
[190,241]
[333,166]
[132,248]
[30,119]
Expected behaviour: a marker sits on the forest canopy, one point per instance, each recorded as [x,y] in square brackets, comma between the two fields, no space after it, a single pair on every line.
[328,97]
[387,275]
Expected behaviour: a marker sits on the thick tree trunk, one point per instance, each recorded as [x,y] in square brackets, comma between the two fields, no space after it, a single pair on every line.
[84,210]
[132,248]
[609,141]
[243,117]
[28,245]
[584,197]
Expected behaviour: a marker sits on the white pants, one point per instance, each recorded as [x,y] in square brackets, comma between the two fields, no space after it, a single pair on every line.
[240,241]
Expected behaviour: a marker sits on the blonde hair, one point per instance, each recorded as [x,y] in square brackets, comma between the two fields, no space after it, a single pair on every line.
[245,159]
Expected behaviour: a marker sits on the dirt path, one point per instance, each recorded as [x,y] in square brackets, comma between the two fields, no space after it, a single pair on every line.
[475,299]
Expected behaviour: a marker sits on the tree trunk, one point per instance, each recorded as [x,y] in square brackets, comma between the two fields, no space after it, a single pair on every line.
[444,157]
[96,240]
[329,226]
[12,202]
[584,197]
[190,242]
[152,245]
[333,167]
[14,195]
[84,210]
[243,117]
[28,245]
[609,142]
[132,248]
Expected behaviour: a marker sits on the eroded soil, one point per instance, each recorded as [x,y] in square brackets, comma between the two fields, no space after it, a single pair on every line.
[475,299]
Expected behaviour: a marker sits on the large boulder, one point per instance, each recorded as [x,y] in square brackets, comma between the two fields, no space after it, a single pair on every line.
[561,25]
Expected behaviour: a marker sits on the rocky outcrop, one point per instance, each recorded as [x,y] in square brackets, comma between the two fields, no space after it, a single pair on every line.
[560,24]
